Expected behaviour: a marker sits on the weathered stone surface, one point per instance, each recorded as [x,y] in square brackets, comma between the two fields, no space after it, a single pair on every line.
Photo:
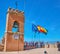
[11,44]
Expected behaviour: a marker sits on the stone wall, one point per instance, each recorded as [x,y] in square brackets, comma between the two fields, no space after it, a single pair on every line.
[1,47]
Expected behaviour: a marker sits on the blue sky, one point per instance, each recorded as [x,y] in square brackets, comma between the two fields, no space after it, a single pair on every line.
[45,13]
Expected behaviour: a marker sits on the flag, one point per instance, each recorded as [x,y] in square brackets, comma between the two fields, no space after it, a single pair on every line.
[41,29]
[34,28]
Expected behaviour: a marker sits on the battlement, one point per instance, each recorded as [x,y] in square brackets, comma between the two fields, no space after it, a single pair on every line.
[11,10]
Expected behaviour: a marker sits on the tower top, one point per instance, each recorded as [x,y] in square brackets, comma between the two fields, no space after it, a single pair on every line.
[12,10]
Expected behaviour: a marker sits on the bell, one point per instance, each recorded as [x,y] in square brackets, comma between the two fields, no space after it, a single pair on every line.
[15,25]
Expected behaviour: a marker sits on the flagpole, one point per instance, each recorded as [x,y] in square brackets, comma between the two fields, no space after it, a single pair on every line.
[16,4]
[34,36]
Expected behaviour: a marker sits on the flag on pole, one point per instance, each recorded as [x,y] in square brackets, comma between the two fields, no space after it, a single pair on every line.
[34,28]
[39,29]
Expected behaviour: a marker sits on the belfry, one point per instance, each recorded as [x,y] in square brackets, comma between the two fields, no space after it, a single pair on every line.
[14,34]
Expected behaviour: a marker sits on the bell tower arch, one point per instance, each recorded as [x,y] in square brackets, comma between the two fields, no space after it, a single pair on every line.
[14,35]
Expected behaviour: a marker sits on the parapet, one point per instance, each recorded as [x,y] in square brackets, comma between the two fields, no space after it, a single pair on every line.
[11,10]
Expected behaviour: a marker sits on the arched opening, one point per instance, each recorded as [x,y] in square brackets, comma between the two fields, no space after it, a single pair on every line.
[15,27]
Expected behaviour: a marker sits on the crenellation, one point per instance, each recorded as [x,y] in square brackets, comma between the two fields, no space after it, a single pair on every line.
[17,10]
[22,12]
[10,10]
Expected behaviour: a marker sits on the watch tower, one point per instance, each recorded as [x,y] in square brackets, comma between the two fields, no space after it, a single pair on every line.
[14,35]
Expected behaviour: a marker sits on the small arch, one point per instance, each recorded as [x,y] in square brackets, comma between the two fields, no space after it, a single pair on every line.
[15,27]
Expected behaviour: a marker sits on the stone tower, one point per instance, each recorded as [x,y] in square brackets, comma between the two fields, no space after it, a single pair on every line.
[14,40]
